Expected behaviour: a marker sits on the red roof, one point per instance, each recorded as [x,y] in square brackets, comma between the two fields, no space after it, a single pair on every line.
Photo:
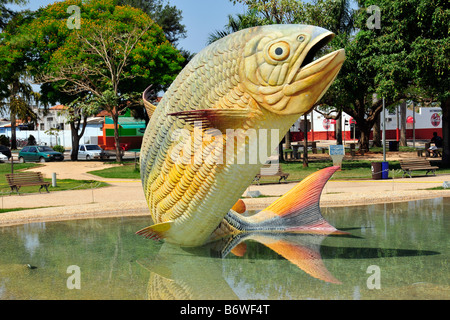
[58,107]
[104,113]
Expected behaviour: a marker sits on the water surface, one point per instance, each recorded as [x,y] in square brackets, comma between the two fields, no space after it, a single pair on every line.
[392,251]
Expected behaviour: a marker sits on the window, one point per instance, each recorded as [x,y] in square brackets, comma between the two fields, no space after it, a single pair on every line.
[82,148]
[92,147]
[25,149]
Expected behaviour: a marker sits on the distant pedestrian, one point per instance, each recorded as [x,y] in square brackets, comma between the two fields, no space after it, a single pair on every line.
[437,144]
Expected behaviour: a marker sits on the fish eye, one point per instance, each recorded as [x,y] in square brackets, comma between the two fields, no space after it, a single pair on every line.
[301,38]
[279,51]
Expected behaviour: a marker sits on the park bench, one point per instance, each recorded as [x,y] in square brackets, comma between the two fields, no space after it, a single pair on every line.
[421,152]
[271,170]
[409,165]
[21,179]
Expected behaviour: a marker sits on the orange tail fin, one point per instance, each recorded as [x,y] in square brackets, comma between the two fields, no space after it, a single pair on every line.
[296,211]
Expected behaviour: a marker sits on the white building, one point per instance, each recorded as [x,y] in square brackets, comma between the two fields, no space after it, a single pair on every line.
[52,129]
[426,121]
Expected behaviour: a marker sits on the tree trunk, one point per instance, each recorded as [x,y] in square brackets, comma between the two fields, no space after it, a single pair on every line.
[13,132]
[115,116]
[403,141]
[445,105]
[339,128]
[76,137]
[75,142]
[377,132]
[287,139]
[364,128]
[280,152]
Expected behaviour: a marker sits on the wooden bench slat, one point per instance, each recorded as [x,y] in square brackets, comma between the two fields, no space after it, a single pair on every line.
[409,165]
[20,179]
[270,171]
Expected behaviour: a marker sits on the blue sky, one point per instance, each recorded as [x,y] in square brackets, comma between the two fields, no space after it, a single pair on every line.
[201,17]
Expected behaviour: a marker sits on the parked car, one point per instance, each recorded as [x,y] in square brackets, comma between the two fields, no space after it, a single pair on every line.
[6,151]
[39,153]
[91,151]
[3,158]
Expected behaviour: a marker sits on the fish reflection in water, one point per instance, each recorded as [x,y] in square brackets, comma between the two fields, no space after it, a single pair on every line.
[197,273]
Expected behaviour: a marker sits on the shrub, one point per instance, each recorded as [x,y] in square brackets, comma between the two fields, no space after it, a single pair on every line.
[59,148]
[31,140]
[4,140]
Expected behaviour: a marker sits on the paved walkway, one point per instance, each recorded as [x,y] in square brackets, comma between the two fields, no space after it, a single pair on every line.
[126,197]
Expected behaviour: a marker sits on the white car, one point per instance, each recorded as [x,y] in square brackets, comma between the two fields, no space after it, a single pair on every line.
[3,158]
[91,151]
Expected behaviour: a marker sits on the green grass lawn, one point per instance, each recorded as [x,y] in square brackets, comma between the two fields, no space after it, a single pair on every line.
[125,171]
[61,184]
[19,209]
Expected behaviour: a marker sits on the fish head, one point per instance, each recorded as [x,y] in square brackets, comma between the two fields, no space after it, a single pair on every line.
[279,70]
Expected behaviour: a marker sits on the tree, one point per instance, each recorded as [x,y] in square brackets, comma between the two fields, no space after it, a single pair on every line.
[5,13]
[166,16]
[275,11]
[116,52]
[77,113]
[240,22]
[21,95]
[16,93]
[409,55]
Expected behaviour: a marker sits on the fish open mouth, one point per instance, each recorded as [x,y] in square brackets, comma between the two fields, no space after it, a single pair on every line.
[311,69]
[316,50]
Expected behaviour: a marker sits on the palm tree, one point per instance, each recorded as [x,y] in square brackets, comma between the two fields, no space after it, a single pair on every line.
[240,22]
[18,103]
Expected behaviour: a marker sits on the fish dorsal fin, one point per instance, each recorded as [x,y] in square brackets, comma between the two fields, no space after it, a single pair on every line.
[221,119]
[149,107]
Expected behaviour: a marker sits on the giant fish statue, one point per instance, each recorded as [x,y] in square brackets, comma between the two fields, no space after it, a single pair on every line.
[235,100]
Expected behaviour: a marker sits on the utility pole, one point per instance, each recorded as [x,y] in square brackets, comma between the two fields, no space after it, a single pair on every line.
[384,132]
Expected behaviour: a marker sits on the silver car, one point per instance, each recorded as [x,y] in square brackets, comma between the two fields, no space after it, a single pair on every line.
[91,151]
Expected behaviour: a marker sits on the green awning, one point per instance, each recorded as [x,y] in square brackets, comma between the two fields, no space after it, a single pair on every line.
[133,126]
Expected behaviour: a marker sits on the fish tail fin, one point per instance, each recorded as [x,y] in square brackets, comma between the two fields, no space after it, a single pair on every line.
[296,211]
[307,258]
[156,232]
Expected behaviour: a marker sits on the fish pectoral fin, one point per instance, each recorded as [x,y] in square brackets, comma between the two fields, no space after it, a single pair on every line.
[221,119]
[239,206]
[149,107]
[156,231]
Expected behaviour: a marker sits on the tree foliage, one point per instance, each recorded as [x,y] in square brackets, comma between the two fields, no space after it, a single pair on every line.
[6,14]
[117,49]
[166,16]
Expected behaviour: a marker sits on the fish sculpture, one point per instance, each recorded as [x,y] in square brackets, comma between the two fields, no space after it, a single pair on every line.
[235,99]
